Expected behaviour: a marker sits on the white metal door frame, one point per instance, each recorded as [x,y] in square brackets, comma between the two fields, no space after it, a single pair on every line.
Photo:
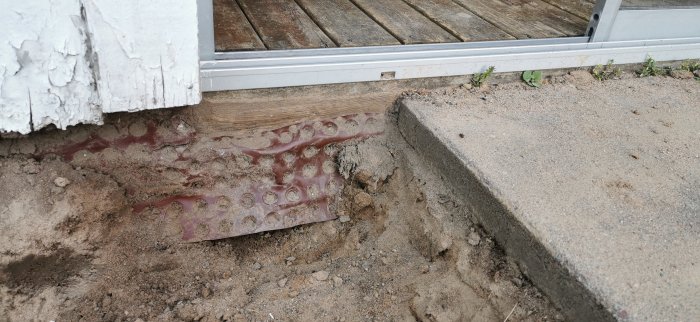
[625,36]
[611,22]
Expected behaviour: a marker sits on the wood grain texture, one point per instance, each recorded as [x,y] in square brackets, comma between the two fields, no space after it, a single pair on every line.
[232,31]
[581,8]
[222,117]
[570,25]
[404,22]
[293,24]
[459,21]
[282,24]
[511,17]
[346,24]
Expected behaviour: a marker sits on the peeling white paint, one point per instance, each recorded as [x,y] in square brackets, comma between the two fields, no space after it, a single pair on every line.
[66,62]
[147,53]
[44,69]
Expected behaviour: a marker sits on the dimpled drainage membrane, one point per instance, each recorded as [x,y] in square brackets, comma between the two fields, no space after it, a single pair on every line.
[299,185]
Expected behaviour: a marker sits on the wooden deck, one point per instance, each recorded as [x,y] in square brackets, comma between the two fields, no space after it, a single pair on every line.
[293,24]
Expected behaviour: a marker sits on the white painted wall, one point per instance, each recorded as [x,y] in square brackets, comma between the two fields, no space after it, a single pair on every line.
[66,62]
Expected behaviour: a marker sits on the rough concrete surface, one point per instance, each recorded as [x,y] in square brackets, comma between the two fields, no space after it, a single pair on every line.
[593,186]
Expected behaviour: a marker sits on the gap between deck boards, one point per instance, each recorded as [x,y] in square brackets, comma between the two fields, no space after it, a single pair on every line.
[295,24]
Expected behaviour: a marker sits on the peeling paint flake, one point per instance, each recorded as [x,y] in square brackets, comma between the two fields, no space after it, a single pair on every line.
[66,62]
[48,80]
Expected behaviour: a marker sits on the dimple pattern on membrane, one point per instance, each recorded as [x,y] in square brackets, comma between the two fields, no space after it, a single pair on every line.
[96,143]
[303,183]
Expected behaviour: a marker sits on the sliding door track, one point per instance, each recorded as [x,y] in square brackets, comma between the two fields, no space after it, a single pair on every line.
[330,66]
[220,71]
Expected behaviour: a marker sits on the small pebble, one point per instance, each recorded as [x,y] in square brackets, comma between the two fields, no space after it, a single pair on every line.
[344,218]
[320,275]
[362,200]
[365,266]
[61,182]
[282,282]
[256,266]
[293,294]
[474,239]
[337,281]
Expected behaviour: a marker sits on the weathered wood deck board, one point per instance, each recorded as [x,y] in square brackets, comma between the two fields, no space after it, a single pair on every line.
[232,30]
[580,8]
[346,24]
[293,24]
[404,22]
[510,18]
[282,24]
[458,20]
[554,17]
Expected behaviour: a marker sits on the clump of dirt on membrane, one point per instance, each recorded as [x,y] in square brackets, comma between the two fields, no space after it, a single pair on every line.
[73,248]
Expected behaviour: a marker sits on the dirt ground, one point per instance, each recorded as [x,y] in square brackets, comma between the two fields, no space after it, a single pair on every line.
[82,236]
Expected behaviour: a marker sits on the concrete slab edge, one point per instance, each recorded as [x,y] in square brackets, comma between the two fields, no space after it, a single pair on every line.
[568,292]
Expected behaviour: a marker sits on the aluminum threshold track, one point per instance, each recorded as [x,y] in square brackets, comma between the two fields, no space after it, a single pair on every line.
[249,70]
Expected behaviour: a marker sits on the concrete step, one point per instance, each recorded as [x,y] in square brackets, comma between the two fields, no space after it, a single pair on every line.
[593,188]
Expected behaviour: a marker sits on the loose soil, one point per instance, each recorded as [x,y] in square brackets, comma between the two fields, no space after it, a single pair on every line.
[404,247]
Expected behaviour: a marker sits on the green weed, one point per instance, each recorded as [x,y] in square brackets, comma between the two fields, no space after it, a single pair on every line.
[649,68]
[532,78]
[690,65]
[480,78]
[606,72]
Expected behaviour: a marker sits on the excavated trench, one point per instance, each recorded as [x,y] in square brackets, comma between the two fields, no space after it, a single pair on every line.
[148,219]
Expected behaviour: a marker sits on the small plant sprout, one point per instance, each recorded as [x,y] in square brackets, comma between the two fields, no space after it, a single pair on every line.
[606,72]
[690,65]
[480,78]
[532,78]
[649,68]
